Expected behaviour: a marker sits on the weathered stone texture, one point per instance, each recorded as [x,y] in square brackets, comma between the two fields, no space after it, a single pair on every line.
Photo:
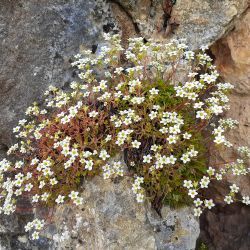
[111,219]
[200,22]
[37,41]
[232,55]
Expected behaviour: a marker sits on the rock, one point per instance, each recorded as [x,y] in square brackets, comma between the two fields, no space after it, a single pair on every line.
[204,22]
[177,229]
[227,227]
[232,59]
[12,235]
[110,218]
[232,56]
[37,41]
[200,22]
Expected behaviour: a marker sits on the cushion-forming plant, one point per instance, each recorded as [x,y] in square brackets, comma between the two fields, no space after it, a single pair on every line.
[157,103]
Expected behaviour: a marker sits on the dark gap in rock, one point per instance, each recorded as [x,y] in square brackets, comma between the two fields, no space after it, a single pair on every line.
[168,25]
[57,56]
[66,85]
[166,18]
[225,227]
[136,27]
[221,52]
[4,147]
[66,21]
[94,48]
[108,27]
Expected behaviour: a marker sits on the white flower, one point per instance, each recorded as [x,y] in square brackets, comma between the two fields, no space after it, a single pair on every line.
[192,193]
[104,155]
[198,105]
[44,196]
[234,188]
[198,202]
[119,70]
[189,55]
[172,139]
[152,115]
[197,211]
[93,114]
[204,182]
[211,171]
[34,161]
[60,199]
[65,119]
[35,235]
[89,164]
[187,136]
[140,197]
[16,129]
[38,224]
[209,78]
[201,114]
[53,181]
[103,84]
[108,138]
[188,184]
[35,198]
[209,203]
[228,199]
[136,144]
[185,158]
[218,177]
[28,187]
[78,201]
[28,226]
[246,200]
[19,164]
[106,175]
[73,195]
[154,91]
[147,158]
[154,147]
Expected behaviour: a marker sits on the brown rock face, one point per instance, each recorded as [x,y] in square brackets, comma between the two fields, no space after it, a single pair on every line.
[227,227]
[232,55]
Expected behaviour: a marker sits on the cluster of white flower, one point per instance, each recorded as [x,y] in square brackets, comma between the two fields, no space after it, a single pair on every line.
[171,123]
[114,169]
[123,136]
[186,157]
[245,151]
[36,225]
[74,196]
[193,187]
[126,117]
[137,189]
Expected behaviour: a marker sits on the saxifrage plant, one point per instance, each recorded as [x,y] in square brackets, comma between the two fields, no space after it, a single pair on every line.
[157,103]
